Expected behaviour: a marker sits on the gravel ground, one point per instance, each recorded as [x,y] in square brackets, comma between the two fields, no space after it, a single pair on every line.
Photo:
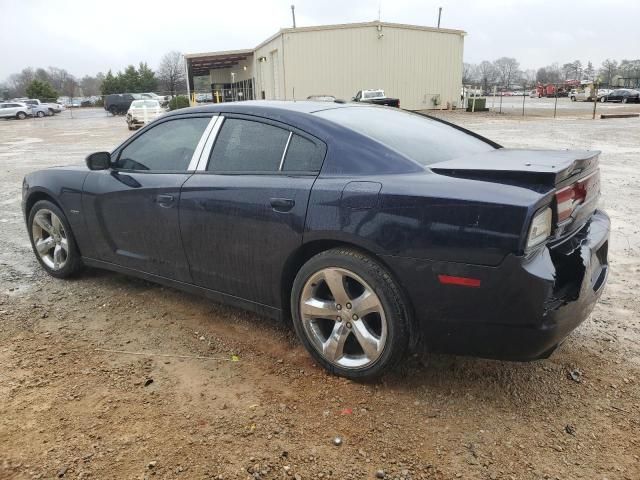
[110,377]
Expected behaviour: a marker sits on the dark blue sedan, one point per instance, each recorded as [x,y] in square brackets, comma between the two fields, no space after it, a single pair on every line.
[374,231]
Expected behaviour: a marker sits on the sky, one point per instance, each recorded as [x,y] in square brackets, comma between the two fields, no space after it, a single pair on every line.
[87,36]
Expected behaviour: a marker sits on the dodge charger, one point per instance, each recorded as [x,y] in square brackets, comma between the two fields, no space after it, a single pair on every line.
[373,231]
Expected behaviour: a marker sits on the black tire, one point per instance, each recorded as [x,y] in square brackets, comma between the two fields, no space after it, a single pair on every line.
[387,291]
[73,263]
[40,114]
[21,115]
[573,99]
[51,112]
[113,110]
[625,100]
[603,99]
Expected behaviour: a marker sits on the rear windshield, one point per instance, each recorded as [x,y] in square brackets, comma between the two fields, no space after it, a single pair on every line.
[419,138]
[145,103]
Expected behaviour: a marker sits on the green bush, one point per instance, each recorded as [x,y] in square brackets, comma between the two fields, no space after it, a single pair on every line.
[180,101]
[41,90]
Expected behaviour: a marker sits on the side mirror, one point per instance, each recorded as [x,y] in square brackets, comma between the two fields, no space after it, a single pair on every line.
[99,161]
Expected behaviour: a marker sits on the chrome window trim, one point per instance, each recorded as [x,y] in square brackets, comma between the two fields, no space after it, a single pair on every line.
[197,153]
[284,153]
[206,152]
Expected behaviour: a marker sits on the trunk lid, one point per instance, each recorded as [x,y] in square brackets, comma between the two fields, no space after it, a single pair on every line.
[573,174]
[549,168]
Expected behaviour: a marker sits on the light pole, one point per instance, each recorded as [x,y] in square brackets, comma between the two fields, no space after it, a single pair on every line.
[233,81]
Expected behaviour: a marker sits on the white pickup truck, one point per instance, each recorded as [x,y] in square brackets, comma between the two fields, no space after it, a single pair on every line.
[51,107]
[581,94]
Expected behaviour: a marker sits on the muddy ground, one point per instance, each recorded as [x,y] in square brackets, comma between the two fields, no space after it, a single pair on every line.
[109,377]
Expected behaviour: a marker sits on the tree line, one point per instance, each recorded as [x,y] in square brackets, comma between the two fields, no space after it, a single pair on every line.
[53,82]
[505,73]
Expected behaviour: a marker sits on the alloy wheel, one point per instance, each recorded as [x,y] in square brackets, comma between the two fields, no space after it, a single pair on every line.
[50,239]
[343,318]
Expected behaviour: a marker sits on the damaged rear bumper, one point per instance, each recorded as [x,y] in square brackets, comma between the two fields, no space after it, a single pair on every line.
[525,307]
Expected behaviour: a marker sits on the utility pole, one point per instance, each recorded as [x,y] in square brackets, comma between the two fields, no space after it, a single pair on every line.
[293,15]
[439,15]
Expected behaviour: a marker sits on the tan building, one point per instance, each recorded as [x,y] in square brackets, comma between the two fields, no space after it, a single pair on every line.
[422,66]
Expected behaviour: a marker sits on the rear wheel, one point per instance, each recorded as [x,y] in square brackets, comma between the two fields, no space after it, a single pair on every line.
[603,99]
[52,240]
[349,314]
[40,114]
[21,115]
[113,110]
[625,100]
[51,112]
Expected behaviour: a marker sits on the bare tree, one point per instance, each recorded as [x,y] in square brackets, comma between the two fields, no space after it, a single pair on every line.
[508,70]
[608,70]
[171,72]
[487,74]
[468,73]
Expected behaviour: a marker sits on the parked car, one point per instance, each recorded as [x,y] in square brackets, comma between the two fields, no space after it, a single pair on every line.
[603,92]
[118,103]
[163,100]
[39,111]
[143,111]
[377,231]
[377,97]
[48,108]
[15,110]
[534,94]
[622,95]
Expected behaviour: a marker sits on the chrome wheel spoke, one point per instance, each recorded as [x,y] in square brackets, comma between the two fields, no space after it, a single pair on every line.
[64,243]
[43,223]
[368,341]
[316,308]
[45,245]
[56,224]
[335,282]
[333,347]
[57,257]
[366,303]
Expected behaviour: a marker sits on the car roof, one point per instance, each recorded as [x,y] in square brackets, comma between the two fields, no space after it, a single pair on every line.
[265,106]
[283,110]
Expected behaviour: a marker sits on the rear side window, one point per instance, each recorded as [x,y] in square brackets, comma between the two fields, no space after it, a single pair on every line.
[302,156]
[419,138]
[248,146]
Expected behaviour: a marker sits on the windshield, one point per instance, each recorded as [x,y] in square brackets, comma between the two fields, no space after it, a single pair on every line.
[419,138]
[373,94]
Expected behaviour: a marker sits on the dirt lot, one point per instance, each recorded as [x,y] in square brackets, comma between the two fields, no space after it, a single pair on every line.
[74,405]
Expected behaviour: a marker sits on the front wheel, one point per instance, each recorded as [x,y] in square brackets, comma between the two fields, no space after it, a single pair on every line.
[603,99]
[625,100]
[40,114]
[52,240]
[349,314]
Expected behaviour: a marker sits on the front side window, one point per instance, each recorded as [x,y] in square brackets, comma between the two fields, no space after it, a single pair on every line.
[248,146]
[168,146]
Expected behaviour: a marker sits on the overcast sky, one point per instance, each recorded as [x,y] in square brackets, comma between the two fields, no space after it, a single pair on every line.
[86,36]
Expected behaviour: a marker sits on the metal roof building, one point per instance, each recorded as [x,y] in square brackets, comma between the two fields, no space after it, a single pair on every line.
[422,66]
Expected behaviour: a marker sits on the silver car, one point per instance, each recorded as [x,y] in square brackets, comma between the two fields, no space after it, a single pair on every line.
[14,110]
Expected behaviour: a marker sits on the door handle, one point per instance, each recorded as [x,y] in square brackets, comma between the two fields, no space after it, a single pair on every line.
[282,204]
[164,200]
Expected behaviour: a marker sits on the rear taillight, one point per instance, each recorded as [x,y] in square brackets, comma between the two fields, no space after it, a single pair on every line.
[569,198]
